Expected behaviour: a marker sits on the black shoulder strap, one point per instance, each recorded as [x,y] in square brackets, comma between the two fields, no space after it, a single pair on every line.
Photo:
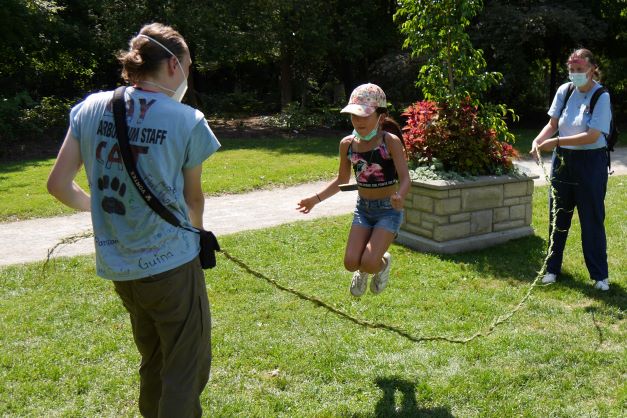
[595,97]
[349,151]
[119,114]
[569,92]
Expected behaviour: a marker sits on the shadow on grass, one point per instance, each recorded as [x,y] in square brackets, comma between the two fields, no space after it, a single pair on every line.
[407,406]
[519,259]
[616,296]
[522,259]
[20,166]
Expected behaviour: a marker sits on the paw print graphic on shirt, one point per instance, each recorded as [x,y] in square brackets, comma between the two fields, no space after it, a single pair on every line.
[111,204]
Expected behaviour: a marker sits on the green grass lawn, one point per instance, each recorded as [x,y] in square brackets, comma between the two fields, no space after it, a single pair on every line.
[241,165]
[66,347]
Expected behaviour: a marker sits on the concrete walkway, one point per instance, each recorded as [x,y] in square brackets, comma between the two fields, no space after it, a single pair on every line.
[28,241]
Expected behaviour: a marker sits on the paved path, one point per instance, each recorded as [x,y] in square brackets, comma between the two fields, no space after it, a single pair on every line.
[27,241]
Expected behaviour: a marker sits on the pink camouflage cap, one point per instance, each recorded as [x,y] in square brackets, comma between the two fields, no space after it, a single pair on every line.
[365,99]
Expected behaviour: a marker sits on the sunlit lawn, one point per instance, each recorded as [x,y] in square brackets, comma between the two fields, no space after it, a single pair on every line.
[241,165]
[66,347]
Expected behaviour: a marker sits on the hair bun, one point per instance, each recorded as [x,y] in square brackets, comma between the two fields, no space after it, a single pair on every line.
[135,57]
[144,57]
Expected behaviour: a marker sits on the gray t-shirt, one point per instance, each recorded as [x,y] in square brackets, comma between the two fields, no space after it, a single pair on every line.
[131,240]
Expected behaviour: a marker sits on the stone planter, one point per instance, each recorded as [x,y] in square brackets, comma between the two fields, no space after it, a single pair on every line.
[455,216]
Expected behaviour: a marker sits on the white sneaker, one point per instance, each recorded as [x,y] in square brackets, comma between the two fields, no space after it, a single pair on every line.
[549,278]
[602,285]
[359,283]
[380,280]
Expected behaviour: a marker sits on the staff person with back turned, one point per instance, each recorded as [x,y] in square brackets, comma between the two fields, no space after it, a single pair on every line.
[153,265]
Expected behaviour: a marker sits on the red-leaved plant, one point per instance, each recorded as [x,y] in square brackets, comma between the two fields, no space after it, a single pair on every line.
[455,136]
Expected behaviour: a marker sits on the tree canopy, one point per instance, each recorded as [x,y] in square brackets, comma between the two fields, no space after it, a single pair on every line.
[260,55]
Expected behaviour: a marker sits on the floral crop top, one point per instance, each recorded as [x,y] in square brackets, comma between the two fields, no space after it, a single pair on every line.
[373,168]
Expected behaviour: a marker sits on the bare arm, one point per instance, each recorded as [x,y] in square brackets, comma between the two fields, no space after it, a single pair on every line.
[584,138]
[544,142]
[343,176]
[546,132]
[400,163]
[61,182]
[192,192]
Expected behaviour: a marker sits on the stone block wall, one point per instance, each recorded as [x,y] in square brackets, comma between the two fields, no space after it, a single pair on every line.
[451,210]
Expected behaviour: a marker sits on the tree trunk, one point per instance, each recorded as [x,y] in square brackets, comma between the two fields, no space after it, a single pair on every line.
[190,97]
[553,80]
[286,77]
[339,93]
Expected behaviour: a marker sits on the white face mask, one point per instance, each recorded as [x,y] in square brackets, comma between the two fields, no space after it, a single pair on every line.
[182,88]
[578,79]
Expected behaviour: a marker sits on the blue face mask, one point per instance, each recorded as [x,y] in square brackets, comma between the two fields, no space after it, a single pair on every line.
[368,136]
[578,79]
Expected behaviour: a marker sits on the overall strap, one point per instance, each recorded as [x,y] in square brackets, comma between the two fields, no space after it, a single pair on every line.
[119,114]
[595,97]
[593,101]
[349,152]
[385,144]
[569,92]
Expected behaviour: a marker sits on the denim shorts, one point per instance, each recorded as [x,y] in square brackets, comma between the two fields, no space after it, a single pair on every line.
[377,213]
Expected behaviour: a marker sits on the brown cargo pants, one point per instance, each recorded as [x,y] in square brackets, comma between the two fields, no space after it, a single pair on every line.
[171,324]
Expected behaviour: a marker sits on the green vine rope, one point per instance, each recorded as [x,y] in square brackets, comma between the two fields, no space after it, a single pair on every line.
[371,324]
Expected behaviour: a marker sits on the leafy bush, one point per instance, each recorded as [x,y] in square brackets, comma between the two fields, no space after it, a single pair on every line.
[24,122]
[455,137]
[10,113]
[235,103]
[435,171]
[23,118]
[455,125]
[294,118]
[50,112]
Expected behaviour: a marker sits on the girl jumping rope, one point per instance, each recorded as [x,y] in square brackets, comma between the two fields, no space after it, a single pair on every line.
[376,153]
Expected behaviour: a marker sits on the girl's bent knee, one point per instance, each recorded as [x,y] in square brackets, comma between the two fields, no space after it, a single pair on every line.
[370,266]
[351,265]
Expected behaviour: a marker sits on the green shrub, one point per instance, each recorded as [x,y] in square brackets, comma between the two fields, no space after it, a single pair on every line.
[455,124]
[10,114]
[237,103]
[455,137]
[50,112]
[294,118]
[21,117]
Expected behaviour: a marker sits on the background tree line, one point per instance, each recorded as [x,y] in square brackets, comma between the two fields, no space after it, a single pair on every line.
[258,56]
